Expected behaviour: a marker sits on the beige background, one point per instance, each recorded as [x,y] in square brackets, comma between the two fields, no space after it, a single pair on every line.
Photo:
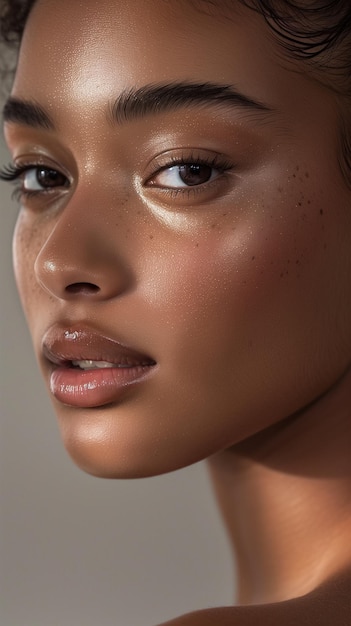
[80,551]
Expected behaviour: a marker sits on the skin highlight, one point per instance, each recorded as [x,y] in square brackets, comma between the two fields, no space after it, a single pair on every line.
[237,289]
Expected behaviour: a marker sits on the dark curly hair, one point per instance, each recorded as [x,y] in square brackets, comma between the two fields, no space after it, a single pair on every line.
[13,17]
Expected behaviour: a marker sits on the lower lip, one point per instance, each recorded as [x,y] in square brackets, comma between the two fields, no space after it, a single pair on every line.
[95,387]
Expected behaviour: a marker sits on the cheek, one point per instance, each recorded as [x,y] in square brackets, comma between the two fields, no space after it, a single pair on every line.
[27,242]
[230,266]
[22,248]
[246,308]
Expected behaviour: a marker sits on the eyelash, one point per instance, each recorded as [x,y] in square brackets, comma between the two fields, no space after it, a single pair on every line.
[13,172]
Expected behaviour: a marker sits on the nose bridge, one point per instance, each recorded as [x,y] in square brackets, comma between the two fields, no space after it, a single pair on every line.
[80,255]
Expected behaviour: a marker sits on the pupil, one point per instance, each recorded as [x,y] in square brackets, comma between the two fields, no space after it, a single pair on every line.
[192,174]
[50,178]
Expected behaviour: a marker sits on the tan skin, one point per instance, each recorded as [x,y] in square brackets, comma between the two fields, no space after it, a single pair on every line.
[236,286]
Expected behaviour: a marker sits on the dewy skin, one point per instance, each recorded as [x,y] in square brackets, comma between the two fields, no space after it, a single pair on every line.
[183,258]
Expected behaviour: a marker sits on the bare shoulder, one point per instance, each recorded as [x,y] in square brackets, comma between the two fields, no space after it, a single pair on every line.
[329,604]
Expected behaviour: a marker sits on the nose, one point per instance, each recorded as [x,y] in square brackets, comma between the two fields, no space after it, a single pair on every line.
[80,257]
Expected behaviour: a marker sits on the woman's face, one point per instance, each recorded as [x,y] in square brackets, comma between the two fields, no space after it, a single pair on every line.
[196,240]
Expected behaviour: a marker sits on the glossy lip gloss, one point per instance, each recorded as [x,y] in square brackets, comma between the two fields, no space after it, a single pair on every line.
[89,369]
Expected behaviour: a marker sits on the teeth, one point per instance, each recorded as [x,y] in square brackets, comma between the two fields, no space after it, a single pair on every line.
[87,364]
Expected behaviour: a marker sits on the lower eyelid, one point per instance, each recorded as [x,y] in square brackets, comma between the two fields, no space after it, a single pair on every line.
[201,194]
[21,195]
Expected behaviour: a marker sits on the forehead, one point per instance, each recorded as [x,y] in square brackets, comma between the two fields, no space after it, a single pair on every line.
[71,27]
[109,45]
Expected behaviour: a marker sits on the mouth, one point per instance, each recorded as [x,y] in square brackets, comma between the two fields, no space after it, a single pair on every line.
[87,369]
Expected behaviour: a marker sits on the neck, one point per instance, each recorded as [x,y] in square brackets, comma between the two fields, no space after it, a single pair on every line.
[285,499]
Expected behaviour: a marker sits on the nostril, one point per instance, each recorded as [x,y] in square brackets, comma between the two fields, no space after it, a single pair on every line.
[82,288]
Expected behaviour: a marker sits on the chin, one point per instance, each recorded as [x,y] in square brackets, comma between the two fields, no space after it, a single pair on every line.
[126,458]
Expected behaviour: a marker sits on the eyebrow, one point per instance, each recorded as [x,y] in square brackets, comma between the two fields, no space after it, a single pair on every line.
[153,99]
[135,104]
[26,113]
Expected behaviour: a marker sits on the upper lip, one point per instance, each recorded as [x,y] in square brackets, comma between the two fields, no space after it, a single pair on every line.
[63,344]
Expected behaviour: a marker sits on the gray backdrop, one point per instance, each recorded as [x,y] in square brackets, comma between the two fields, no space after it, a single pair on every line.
[81,551]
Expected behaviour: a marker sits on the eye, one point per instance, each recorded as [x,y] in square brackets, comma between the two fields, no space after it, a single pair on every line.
[34,179]
[185,175]
[40,178]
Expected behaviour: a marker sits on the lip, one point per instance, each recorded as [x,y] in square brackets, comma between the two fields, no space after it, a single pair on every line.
[91,388]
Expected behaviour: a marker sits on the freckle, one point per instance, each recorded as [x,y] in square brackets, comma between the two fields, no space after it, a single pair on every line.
[297,262]
[213,225]
[287,272]
[308,201]
[299,203]
[307,175]
[288,261]
[151,236]
[321,211]
[297,168]
[281,275]
[224,214]
[294,175]
[280,189]
[139,212]
[197,245]
[253,258]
